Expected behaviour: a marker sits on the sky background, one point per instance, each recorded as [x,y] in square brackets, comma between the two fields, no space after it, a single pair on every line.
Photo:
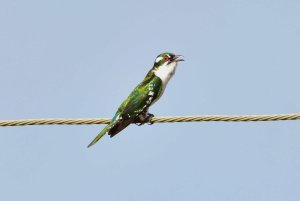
[80,59]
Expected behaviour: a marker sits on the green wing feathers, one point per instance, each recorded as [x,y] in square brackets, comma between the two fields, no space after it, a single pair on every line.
[137,102]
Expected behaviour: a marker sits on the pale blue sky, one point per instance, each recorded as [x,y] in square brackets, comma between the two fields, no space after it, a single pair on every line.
[80,59]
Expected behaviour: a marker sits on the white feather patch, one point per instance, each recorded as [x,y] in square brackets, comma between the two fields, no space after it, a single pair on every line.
[158,59]
[165,72]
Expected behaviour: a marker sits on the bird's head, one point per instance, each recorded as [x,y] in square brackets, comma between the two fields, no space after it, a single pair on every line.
[166,59]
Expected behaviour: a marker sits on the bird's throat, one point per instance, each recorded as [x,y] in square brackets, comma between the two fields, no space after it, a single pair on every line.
[165,72]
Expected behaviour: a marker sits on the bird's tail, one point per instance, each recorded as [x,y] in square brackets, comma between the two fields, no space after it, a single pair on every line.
[100,135]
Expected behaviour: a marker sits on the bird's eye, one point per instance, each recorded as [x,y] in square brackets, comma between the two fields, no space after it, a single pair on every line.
[166,58]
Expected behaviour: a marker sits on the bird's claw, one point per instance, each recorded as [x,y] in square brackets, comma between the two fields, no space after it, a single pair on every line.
[149,119]
[146,118]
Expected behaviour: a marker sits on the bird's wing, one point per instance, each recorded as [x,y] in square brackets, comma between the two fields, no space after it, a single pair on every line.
[137,102]
[141,98]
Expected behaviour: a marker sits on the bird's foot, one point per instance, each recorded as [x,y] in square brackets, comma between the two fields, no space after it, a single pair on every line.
[149,118]
[144,118]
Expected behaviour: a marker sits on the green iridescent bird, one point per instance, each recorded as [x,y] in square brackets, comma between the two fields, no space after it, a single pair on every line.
[135,108]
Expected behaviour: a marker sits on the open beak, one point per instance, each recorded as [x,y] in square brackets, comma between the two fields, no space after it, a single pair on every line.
[178,58]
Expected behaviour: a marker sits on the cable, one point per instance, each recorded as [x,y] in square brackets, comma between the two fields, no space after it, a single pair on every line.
[167,119]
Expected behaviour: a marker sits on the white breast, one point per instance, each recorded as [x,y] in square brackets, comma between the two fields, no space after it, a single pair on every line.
[165,72]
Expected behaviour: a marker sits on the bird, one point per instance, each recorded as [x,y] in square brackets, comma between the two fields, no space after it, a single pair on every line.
[135,108]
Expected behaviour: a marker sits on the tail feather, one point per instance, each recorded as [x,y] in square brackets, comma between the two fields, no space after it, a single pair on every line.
[119,126]
[115,126]
[100,135]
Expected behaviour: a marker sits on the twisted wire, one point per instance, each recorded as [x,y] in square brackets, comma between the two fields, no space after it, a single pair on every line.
[166,119]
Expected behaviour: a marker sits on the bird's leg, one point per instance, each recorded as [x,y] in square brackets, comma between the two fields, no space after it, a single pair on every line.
[143,118]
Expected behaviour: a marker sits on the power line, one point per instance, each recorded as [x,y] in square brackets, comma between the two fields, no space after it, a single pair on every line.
[166,119]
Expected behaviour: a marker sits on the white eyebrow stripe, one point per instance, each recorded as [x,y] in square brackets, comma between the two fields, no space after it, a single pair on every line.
[158,59]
